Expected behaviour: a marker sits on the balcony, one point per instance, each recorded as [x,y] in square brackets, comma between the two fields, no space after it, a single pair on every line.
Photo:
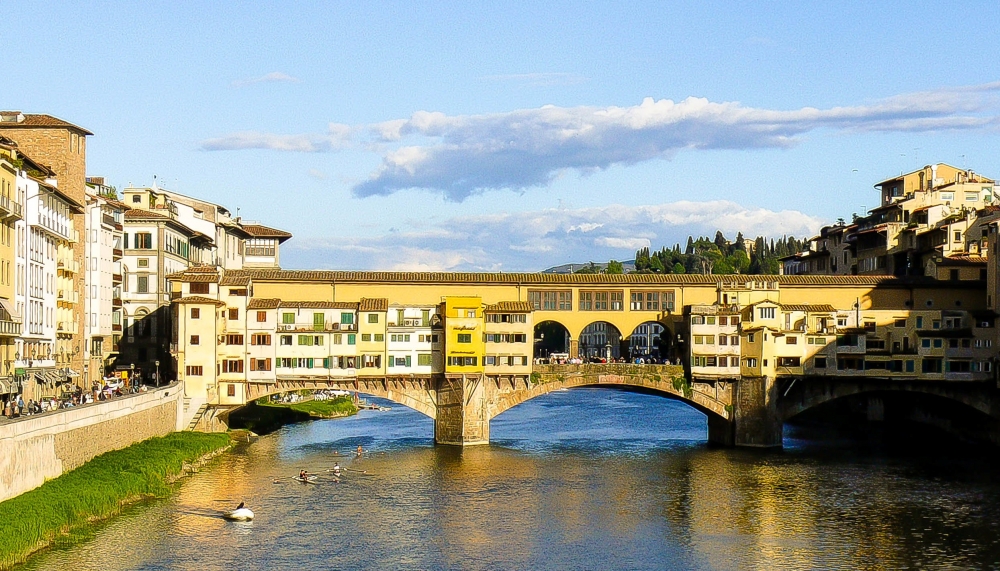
[116,278]
[116,327]
[117,253]
[9,209]
[116,302]
[108,220]
[9,328]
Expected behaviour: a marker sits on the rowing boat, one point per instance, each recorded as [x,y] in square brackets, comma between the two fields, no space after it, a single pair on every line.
[239,514]
[307,480]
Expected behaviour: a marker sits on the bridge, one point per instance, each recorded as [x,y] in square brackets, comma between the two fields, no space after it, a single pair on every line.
[740,412]
[792,343]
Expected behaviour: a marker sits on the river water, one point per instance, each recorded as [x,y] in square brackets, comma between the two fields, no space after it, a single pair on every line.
[582,479]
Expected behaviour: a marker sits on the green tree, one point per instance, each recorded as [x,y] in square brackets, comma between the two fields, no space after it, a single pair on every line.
[656,265]
[678,268]
[740,261]
[614,267]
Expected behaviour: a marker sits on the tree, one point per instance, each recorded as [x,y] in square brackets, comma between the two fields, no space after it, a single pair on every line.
[678,268]
[590,268]
[656,265]
[740,261]
[614,267]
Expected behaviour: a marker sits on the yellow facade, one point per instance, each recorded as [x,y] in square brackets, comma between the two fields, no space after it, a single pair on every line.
[10,213]
[464,342]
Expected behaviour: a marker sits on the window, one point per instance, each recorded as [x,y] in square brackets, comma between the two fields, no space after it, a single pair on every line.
[372,318]
[231,390]
[710,320]
[379,337]
[195,340]
[920,322]
[261,316]
[789,361]
[136,199]
[465,338]
[143,240]
[193,370]
[751,362]
[195,312]
[234,339]
[234,313]
[366,336]
[697,320]
[463,361]
[900,322]
[351,338]
[239,292]
[319,320]
[347,319]
[142,284]
[288,318]
[765,312]
[791,340]
[260,339]
[819,362]
[723,340]
[958,236]
[285,339]
[199,287]
[305,340]
[750,338]
[260,364]
[735,339]
[424,360]
[232,366]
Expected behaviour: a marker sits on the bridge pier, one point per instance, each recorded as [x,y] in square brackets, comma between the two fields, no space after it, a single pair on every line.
[462,418]
[755,422]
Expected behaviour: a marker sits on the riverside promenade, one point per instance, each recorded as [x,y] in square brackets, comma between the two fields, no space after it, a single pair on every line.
[42,446]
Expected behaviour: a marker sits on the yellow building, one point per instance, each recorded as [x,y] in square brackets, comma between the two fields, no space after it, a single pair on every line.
[464,342]
[508,338]
[11,210]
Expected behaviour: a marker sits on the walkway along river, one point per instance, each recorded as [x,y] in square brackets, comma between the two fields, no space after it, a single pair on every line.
[579,479]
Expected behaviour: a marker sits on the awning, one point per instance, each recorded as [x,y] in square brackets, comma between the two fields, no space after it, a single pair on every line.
[5,387]
[9,308]
[72,373]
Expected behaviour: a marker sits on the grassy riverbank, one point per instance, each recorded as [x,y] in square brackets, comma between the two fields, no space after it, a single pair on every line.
[264,417]
[97,490]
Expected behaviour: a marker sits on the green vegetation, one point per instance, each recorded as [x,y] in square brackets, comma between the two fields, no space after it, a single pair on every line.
[718,256]
[97,490]
[262,416]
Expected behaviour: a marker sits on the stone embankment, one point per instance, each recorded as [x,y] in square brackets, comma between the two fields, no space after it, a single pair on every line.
[40,447]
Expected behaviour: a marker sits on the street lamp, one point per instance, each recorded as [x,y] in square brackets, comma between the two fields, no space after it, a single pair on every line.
[131,374]
[157,372]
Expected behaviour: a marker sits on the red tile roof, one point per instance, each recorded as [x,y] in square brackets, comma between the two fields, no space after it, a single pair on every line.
[374,304]
[510,306]
[259,231]
[40,121]
[198,299]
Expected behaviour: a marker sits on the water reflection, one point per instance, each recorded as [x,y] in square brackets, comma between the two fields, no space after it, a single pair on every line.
[584,479]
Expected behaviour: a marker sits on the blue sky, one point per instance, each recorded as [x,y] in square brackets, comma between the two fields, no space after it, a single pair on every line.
[514,136]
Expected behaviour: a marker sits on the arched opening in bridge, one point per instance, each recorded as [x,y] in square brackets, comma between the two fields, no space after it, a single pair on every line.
[906,419]
[650,340]
[551,338]
[601,419]
[602,341]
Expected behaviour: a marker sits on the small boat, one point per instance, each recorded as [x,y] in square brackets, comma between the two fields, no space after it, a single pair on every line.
[310,479]
[239,514]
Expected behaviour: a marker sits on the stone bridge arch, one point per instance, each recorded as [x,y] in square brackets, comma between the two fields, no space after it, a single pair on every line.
[712,400]
[416,393]
[805,395]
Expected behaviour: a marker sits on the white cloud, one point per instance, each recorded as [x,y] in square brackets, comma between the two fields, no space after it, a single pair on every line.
[531,241]
[273,77]
[461,155]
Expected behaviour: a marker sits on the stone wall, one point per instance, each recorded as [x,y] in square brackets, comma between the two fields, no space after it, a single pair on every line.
[42,447]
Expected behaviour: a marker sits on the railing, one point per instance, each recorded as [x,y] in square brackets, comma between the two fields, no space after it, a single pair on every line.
[108,219]
[116,278]
[117,252]
[10,327]
[9,208]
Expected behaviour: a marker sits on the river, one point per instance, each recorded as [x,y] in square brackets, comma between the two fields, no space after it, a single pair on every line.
[581,479]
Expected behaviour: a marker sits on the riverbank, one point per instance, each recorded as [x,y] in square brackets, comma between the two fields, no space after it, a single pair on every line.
[99,489]
[265,417]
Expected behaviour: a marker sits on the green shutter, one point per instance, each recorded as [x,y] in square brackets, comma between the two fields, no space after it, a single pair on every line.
[351,338]
[288,318]
[318,321]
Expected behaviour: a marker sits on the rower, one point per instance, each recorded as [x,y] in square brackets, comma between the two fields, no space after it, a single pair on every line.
[336,469]
[360,450]
[241,506]
[303,475]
